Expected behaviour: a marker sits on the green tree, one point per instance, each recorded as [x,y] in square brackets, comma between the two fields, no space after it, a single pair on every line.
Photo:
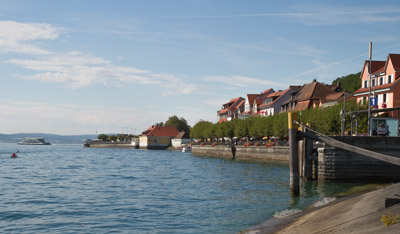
[179,123]
[201,129]
[349,83]
[102,137]
[112,138]
[122,137]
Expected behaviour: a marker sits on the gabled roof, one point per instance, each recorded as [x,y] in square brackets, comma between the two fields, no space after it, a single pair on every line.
[234,104]
[302,105]
[182,135]
[278,94]
[238,105]
[232,101]
[334,96]
[376,67]
[314,91]
[264,94]
[395,58]
[251,98]
[170,131]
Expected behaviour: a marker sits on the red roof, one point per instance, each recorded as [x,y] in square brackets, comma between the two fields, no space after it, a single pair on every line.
[302,105]
[334,96]
[278,94]
[223,111]
[395,58]
[376,66]
[379,87]
[170,131]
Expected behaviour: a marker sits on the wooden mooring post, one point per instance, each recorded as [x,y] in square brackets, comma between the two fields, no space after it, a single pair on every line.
[294,156]
[308,156]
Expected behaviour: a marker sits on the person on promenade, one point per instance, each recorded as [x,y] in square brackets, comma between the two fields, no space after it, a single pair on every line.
[381,131]
[233,148]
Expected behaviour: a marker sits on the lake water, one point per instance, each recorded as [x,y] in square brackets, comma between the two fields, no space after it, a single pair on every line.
[71,189]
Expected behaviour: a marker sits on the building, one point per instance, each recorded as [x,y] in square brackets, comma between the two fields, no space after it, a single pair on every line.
[272,103]
[253,102]
[385,91]
[181,138]
[157,137]
[231,110]
[248,105]
[310,96]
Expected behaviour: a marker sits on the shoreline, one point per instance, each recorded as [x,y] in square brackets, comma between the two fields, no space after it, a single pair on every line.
[359,212]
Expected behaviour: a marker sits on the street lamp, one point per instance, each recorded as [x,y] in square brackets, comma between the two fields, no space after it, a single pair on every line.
[342,114]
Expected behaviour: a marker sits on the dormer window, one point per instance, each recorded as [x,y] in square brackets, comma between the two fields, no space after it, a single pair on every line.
[365,83]
[380,80]
[389,79]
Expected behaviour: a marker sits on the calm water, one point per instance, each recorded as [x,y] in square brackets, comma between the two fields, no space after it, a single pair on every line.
[70,189]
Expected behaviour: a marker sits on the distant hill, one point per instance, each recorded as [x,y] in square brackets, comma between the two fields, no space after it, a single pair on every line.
[52,138]
[349,83]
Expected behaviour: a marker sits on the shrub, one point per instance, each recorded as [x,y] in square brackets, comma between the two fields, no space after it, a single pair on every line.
[390,219]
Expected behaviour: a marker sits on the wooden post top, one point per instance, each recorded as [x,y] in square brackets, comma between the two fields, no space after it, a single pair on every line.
[291,117]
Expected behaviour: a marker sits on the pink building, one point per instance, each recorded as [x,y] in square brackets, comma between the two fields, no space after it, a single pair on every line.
[384,83]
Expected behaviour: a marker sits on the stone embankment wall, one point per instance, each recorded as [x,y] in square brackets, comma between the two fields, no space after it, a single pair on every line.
[338,164]
[259,153]
[118,145]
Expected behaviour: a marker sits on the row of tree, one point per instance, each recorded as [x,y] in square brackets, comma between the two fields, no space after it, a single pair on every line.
[179,123]
[325,120]
[113,137]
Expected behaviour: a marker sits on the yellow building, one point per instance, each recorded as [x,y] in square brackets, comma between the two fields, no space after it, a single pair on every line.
[157,137]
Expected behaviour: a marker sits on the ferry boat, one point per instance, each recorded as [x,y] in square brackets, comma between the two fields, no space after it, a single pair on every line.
[33,141]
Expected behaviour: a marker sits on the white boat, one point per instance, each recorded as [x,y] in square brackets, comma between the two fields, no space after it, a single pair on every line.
[34,141]
[186,148]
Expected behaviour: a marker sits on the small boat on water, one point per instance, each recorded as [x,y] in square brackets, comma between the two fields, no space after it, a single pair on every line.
[186,148]
[34,141]
[14,155]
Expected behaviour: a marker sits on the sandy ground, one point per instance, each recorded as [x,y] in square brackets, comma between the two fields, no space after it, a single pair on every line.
[359,214]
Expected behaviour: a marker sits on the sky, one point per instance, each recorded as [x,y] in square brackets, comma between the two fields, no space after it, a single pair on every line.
[119,66]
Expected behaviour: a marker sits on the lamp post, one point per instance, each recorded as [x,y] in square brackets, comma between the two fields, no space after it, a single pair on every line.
[342,112]
[369,92]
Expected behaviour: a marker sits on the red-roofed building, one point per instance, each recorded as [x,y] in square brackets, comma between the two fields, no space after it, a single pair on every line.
[384,82]
[272,102]
[311,95]
[231,110]
[252,103]
[157,137]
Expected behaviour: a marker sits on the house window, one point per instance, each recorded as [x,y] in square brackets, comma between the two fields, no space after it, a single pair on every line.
[381,81]
[365,83]
[390,79]
[373,82]
[384,98]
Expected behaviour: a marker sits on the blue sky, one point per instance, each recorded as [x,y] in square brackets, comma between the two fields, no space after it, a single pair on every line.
[77,67]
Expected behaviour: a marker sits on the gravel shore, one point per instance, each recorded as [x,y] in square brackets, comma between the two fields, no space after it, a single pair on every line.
[357,214]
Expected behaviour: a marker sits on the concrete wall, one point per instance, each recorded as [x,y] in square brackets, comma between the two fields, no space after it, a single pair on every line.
[338,164]
[118,145]
[260,153]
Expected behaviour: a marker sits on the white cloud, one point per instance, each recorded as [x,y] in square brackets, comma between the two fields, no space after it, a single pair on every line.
[75,69]
[78,70]
[16,37]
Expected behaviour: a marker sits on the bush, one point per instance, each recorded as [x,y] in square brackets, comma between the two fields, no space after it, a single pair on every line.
[390,219]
